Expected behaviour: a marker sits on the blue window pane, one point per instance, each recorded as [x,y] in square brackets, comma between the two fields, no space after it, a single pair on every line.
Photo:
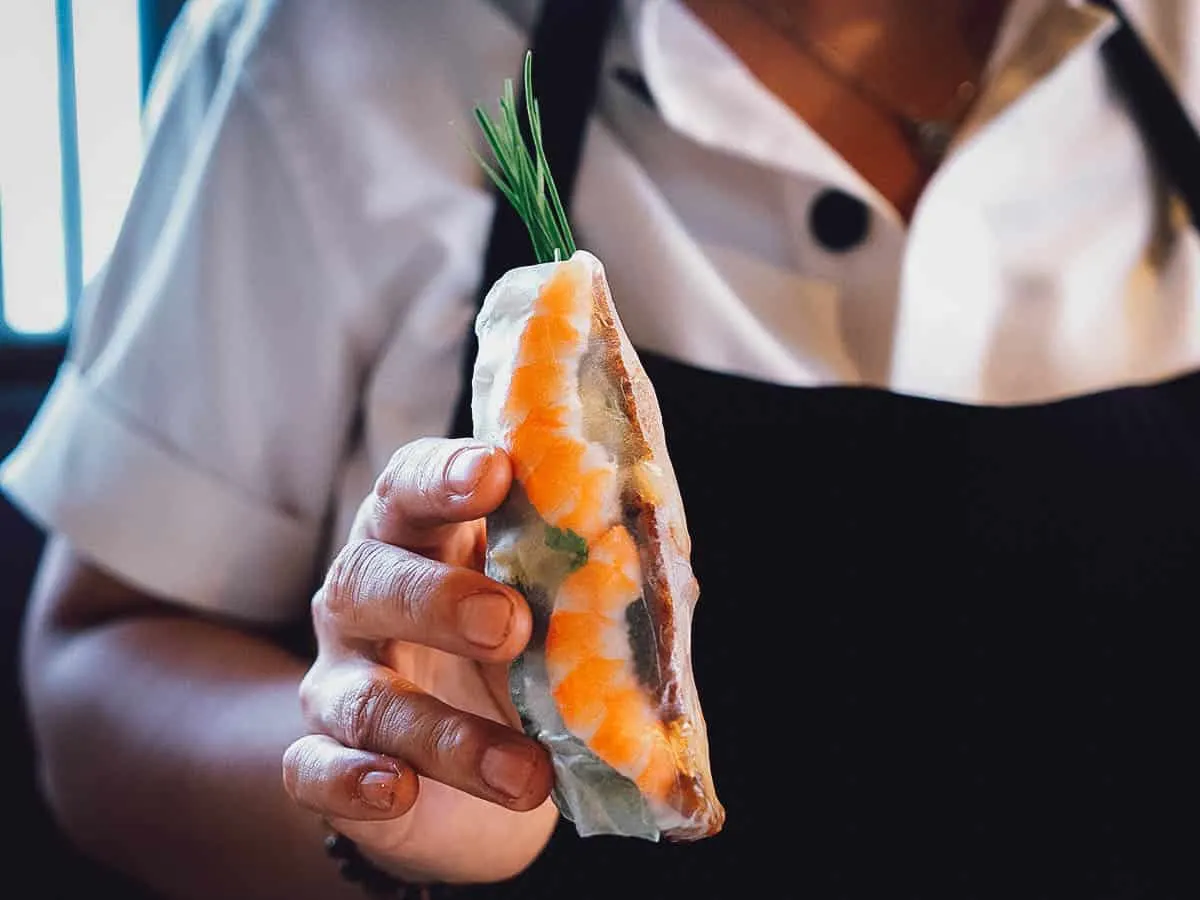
[69,150]
[32,258]
[107,99]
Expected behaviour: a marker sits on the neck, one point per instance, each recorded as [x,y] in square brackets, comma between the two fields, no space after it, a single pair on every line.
[849,68]
[907,50]
[908,24]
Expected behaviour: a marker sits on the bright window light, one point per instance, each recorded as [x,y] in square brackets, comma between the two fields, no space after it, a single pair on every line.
[33,259]
[35,238]
[108,97]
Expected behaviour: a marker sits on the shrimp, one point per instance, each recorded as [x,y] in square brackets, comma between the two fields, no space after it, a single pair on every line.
[573,484]
[590,666]
[570,481]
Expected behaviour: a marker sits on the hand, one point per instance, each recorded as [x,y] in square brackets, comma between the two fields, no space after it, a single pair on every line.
[416,752]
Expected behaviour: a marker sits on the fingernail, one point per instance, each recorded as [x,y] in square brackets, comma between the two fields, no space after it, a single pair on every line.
[378,789]
[485,619]
[507,770]
[466,468]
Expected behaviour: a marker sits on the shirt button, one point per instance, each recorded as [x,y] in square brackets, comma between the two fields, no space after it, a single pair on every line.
[839,221]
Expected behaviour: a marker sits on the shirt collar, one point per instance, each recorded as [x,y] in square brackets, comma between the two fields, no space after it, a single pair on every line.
[704,91]
[1037,37]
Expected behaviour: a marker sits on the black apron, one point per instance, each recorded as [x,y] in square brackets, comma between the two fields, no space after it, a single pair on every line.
[942,650]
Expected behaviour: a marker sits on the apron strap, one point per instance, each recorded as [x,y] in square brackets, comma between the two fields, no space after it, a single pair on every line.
[568,46]
[1153,104]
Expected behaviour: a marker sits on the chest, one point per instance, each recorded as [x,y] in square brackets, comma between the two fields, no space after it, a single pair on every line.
[1041,262]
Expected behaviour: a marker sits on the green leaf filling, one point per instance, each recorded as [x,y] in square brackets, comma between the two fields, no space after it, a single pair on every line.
[567,541]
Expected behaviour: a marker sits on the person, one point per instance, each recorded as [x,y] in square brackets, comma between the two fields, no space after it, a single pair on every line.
[919,308]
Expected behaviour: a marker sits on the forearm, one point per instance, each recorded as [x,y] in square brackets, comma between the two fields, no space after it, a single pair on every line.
[162,740]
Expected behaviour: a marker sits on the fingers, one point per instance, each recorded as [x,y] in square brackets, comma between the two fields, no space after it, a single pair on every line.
[432,484]
[327,778]
[394,581]
[375,592]
[369,707]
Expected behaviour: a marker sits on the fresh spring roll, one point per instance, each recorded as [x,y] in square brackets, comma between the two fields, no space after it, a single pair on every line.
[593,534]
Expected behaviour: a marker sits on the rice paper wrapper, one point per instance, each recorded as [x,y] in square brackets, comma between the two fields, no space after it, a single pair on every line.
[593,534]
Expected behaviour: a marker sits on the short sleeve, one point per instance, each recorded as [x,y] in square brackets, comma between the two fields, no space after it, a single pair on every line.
[192,439]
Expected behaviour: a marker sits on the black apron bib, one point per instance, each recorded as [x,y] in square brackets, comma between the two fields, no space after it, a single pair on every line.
[942,650]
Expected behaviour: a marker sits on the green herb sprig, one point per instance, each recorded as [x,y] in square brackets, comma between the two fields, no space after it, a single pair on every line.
[523,175]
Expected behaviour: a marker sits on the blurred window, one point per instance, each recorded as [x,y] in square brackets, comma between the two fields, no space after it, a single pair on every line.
[70,145]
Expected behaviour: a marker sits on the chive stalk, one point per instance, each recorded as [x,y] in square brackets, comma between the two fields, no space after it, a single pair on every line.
[523,174]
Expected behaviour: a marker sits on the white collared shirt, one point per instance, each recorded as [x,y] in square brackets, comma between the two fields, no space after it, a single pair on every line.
[287,302]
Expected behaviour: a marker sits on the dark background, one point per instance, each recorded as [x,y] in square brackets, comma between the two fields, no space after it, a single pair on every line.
[25,374]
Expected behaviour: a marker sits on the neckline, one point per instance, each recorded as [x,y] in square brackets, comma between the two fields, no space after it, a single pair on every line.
[705,92]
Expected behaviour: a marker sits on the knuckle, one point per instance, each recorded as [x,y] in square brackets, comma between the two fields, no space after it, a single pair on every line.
[310,696]
[404,464]
[320,612]
[430,478]
[368,576]
[350,576]
[448,736]
[385,484]
[415,584]
[297,764]
[365,713]
[388,496]
[411,484]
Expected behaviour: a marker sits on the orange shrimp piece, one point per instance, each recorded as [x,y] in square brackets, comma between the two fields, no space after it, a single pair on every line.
[635,743]
[600,700]
[560,296]
[536,385]
[581,695]
[552,483]
[546,442]
[661,770]
[620,739]
[548,334]
[592,495]
[610,581]
[576,635]
[616,548]
[529,441]
[598,589]
[573,485]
